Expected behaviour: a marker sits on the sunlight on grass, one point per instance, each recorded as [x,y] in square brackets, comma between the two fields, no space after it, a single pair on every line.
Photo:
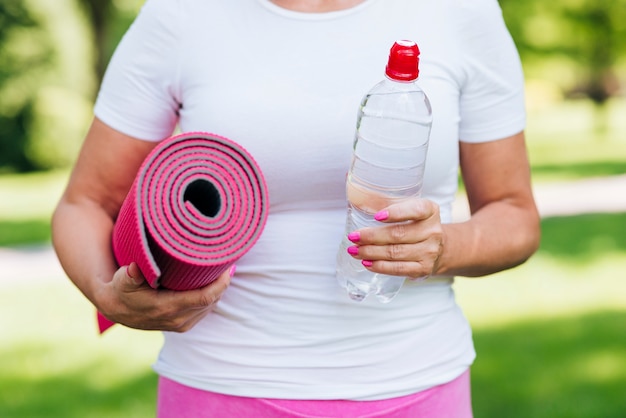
[24,232]
[562,142]
[602,366]
[58,366]
[544,288]
[26,205]
[579,267]
[30,196]
[572,122]
[567,367]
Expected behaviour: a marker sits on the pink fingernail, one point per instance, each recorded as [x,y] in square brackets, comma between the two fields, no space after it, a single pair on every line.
[382,215]
[367,263]
[354,236]
[353,250]
[232,270]
[128,271]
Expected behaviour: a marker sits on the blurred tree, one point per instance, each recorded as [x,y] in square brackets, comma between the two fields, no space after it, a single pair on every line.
[581,41]
[22,54]
[45,81]
[100,14]
[108,20]
[601,39]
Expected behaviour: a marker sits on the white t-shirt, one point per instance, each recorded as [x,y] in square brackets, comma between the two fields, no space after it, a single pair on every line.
[287,85]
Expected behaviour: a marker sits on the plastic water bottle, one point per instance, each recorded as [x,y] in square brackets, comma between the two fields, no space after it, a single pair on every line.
[390,146]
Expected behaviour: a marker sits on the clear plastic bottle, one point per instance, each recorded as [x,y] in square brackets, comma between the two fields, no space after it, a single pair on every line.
[390,146]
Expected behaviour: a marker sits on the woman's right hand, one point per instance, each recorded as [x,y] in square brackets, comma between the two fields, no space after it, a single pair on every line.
[82,226]
[129,300]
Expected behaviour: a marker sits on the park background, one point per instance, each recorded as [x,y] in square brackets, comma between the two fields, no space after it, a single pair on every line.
[550,334]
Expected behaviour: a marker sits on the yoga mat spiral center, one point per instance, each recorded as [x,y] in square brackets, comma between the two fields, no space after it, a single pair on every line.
[204,196]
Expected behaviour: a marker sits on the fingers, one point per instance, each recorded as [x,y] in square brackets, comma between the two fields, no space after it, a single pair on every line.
[190,306]
[129,279]
[405,222]
[197,299]
[417,269]
[415,209]
[408,243]
[132,302]
[410,260]
[409,222]
[133,272]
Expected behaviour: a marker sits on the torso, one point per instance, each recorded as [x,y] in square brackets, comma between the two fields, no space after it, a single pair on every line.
[286,85]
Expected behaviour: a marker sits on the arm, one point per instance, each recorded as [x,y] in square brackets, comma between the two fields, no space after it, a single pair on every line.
[82,225]
[502,232]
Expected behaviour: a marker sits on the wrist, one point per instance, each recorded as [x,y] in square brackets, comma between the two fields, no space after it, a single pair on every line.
[447,263]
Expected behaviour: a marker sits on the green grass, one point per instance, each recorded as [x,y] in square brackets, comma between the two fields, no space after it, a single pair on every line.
[570,367]
[55,364]
[550,335]
[563,143]
[17,232]
[30,196]
[26,205]
[582,238]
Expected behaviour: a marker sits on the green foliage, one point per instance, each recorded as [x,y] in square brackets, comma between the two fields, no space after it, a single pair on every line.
[45,84]
[53,53]
[108,20]
[23,53]
[577,44]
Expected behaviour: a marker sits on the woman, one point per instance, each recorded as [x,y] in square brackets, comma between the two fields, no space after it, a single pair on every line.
[284,79]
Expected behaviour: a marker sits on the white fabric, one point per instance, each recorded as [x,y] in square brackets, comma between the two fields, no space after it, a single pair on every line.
[287,85]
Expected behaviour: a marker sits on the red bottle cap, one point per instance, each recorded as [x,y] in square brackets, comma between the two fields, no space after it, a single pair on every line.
[403,64]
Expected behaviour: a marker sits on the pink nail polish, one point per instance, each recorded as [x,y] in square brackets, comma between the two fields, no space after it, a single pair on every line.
[382,215]
[367,263]
[128,271]
[353,250]
[232,270]
[354,236]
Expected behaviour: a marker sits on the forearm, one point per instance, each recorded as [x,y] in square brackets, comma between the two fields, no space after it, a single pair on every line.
[81,235]
[83,220]
[499,236]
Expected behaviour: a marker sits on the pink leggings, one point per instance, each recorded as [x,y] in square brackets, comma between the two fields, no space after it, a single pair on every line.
[450,400]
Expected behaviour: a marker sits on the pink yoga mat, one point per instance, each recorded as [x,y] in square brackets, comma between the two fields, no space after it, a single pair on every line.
[199,202]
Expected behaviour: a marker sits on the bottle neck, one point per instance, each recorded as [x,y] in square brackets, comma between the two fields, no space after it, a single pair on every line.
[402,85]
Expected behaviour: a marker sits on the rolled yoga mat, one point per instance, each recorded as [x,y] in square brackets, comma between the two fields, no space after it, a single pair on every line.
[198,204]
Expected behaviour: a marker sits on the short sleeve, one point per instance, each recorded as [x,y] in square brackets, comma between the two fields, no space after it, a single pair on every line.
[138,95]
[492,94]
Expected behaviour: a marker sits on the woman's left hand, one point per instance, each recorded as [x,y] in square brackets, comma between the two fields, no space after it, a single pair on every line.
[408,243]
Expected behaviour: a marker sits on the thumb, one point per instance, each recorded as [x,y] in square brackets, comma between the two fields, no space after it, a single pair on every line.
[132,275]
